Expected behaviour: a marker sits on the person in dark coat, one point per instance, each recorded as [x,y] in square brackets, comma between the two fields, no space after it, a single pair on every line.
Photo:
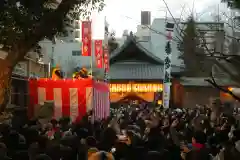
[3,152]
[199,150]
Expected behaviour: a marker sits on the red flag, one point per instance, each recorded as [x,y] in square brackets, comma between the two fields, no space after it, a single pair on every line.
[86,38]
[106,59]
[98,53]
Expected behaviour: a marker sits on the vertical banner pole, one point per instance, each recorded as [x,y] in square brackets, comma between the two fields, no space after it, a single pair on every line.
[105,43]
[87,47]
[91,72]
[51,63]
[106,65]
[49,69]
[167,65]
[91,66]
[92,51]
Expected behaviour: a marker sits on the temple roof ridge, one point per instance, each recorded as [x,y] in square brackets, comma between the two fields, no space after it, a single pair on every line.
[132,39]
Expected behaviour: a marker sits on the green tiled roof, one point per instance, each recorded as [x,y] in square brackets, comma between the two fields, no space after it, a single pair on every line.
[201,81]
[138,71]
[132,61]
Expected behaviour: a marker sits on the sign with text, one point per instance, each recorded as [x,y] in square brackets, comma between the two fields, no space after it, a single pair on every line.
[98,53]
[141,87]
[86,38]
[106,59]
[166,94]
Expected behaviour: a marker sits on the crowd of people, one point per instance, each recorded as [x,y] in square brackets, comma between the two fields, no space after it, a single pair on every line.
[130,133]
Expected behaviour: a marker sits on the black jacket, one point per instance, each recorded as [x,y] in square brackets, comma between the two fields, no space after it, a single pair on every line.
[198,154]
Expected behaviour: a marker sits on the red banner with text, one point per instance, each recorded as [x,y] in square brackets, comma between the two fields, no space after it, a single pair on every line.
[98,53]
[106,59]
[86,38]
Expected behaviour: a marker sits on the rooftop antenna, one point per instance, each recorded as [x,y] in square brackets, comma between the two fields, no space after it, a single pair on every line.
[193,5]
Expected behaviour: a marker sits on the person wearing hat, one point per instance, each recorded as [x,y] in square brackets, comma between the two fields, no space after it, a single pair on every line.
[83,73]
[57,73]
[75,75]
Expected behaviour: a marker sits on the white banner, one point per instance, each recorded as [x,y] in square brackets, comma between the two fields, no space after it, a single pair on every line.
[166,94]
[167,65]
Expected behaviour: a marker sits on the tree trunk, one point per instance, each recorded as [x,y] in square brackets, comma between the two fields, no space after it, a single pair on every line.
[5,80]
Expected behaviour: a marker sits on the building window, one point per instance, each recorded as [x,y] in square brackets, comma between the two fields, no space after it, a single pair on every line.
[146,38]
[77,34]
[76,53]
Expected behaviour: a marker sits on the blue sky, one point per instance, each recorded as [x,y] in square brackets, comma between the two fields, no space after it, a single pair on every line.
[125,14]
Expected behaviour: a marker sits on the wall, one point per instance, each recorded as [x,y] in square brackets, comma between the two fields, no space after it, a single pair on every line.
[21,69]
[143,33]
[177,90]
[198,95]
[30,67]
[19,92]
[38,70]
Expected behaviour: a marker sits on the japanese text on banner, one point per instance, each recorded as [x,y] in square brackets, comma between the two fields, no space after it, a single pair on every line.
[98,53]
[106,59]
[86,38]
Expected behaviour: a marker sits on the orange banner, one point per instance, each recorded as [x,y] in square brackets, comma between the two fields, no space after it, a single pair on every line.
[99,53]
[141,87]
[106,59]
[86,38]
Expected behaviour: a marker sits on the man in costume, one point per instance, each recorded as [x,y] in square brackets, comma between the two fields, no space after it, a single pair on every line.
[57,73]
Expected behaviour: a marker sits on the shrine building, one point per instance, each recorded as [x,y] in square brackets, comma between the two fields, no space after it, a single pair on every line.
[136,75]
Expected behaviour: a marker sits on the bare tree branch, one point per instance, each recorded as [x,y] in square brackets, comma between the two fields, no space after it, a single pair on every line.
[178,29]
[213,82]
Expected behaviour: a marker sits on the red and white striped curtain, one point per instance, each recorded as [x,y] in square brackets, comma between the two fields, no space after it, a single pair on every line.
[101,102]
[71,98]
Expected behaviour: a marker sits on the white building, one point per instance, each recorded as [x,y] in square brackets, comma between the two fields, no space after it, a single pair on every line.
[144,29]
[156,44]
[67,55]
[143,33]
